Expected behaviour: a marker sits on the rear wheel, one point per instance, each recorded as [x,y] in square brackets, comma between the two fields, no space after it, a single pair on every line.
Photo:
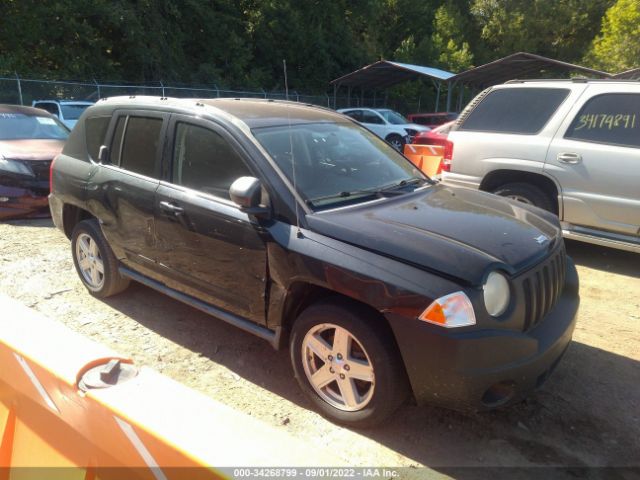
[95,263]
[347,364]
[396,141]
[526,193]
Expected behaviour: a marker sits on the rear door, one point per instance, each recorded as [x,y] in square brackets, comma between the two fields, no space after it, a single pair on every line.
[595,157]
[126,184]
[207,247]
[374,122]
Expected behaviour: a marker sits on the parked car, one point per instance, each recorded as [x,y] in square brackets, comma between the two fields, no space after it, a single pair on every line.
[68,111]
[436,137]
[433,119]
[571,147]
[29,139]
[300,226]
[387,124]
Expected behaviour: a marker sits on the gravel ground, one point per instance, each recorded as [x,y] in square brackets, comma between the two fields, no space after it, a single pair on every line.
[587,414]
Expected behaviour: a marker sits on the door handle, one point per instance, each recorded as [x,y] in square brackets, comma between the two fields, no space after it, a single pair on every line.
[171,208]
[570,158]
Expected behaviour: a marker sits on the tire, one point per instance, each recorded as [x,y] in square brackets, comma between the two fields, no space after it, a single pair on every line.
[526,193]
[396,141]
[95,263]
[366,403]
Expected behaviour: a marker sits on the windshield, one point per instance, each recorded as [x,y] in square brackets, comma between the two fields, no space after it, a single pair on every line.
[72,111]
[18,126]
[337,163]
[393,117]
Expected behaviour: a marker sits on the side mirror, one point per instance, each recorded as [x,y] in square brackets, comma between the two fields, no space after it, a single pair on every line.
[246,192]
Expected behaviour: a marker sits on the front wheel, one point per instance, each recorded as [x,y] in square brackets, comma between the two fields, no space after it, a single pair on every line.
[347,364]
[397,142]
[95,263]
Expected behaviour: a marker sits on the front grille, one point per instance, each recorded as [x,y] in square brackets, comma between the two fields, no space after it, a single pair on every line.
[40,169]
[542,286]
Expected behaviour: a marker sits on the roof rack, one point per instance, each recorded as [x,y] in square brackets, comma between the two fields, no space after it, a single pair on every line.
[572,80]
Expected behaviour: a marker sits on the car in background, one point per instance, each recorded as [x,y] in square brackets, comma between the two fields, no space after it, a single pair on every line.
[68,111]
[387,124]
[29,139]
[568,146]
[433,119]
[437,136]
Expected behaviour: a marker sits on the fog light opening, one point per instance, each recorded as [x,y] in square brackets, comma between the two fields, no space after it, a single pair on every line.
[499,394]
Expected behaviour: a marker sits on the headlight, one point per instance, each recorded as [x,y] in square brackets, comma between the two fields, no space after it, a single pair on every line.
[450,311]
[14,166]
[496,294]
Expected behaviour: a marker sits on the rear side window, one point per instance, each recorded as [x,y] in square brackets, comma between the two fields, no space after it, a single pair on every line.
[515,110]
[370,117]
[355,114]
[135,144]
[612,118]
[95,129]
[203,160]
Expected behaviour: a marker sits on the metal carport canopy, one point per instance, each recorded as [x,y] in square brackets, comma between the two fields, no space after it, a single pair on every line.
[633,74]
[384,74]
[518,66]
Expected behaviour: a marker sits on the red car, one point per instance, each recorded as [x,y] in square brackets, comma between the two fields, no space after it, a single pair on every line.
[432,120]
[438,136]
[29,139]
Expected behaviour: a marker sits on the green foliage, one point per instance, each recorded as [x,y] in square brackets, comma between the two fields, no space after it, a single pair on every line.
[559,29]
[617,48]
[241,43]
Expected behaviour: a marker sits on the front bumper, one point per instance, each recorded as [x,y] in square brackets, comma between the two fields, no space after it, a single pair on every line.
[18,202]
[484,369]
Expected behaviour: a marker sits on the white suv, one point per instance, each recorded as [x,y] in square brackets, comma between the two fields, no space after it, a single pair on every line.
[68,111]
[387,124]
[568,146]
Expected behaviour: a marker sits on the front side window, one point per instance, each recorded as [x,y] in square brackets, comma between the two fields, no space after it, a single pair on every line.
[394,118]
[612,118]
[203,160]
[515,110]
[337,163]
[135,144]
[18,126]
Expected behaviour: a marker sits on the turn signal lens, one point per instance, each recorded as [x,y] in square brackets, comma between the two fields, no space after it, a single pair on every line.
[451,311]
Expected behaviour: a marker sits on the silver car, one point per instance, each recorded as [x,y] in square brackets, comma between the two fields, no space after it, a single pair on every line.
[568,146]
[387,124]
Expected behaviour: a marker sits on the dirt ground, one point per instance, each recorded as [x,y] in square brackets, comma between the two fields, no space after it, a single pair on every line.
[587,414]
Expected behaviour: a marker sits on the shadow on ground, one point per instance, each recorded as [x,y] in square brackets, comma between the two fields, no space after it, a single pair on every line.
[603,258]
[587,414]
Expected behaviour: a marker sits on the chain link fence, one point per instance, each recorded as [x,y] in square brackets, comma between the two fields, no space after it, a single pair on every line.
[23,91]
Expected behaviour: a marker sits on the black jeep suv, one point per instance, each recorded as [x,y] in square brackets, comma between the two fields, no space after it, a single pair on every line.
[298,225]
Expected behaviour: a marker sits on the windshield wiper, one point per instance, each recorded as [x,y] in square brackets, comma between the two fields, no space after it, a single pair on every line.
[393,189]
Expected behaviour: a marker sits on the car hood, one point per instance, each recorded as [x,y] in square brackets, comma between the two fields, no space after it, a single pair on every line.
[460,233]
[33,149]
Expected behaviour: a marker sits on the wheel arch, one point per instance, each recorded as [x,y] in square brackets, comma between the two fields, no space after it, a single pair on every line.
[496,178]
[71,216]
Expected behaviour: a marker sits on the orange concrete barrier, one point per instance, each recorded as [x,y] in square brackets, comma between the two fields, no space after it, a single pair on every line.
[426,157]
[66,401]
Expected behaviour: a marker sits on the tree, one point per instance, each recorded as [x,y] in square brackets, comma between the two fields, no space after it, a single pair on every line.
[554,28]
[617,48]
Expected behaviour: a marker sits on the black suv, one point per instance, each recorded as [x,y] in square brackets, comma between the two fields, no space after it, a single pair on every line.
[300,226]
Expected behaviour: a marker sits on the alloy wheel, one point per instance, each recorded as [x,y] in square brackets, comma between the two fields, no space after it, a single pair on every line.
[338,367]
[90,261]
